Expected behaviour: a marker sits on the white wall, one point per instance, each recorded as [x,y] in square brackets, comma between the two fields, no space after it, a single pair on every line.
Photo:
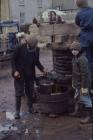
[31,9]
[90,2]
[69,4]
[46,4]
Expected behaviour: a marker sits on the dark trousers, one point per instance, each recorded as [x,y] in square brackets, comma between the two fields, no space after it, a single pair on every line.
[23,85]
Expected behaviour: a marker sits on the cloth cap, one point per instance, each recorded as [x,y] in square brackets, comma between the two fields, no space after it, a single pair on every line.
[75,46]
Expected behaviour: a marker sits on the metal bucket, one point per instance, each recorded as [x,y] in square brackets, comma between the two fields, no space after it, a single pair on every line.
[55,102]
[45,85]
[46,88]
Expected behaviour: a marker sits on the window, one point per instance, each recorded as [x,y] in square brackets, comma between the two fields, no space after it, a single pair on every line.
[21,2]
[39,3]
[22,17]
[59,7]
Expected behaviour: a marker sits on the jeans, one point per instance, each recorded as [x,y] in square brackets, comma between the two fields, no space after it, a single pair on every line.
[84,99]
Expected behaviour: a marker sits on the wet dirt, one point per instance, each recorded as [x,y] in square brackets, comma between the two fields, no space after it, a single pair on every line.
[35,126]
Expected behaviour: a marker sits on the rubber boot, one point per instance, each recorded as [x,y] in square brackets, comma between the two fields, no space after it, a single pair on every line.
[89,116]
[76,111]
[51,115]
[18,105]
[30,105]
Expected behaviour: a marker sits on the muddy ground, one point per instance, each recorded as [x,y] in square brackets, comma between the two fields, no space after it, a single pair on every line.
[37,126]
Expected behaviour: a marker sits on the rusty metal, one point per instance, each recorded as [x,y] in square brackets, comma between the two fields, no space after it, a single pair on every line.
[46,88]
[55,102]
[45,85]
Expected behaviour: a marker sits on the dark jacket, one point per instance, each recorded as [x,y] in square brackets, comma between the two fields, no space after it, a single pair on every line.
[80,74]
[25,59]
[84,19]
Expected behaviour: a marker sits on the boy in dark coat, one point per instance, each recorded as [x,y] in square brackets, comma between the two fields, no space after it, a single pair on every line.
[24,60]
[81,80]
[84,19]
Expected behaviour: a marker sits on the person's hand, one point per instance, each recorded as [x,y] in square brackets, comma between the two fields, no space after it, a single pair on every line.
[17,74]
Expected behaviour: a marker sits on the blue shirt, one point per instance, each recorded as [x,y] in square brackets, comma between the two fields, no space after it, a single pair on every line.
[84,19]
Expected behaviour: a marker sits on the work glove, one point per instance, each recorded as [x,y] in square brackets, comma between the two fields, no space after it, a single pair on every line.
[84,91]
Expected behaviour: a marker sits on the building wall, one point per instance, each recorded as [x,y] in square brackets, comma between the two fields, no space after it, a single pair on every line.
[63,4]
[30,9]
[5,9]
[91,2]
[25,10]
[67,4]
[46,4]
[58,4]
[14,6]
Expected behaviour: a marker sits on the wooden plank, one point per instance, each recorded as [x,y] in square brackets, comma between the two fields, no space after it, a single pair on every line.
[58,29]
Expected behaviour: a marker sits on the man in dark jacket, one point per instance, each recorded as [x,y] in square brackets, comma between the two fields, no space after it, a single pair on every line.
[84,19]
[25,58]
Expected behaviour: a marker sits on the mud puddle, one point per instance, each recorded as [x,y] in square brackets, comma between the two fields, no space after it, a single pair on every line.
[30,126]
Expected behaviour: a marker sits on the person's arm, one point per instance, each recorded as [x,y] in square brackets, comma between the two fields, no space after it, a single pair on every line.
[15,57]
[77,20]
[84,72]
[38,63]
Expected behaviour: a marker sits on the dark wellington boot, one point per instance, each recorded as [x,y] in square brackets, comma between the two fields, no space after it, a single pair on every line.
[86,120]
[51,115]
[17,115]
[31,110]
[18,105]
[91,91]
[89,116]
[76,113]
[30,105]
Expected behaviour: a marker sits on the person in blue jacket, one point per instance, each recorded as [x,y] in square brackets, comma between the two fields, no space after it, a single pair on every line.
[84,19]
